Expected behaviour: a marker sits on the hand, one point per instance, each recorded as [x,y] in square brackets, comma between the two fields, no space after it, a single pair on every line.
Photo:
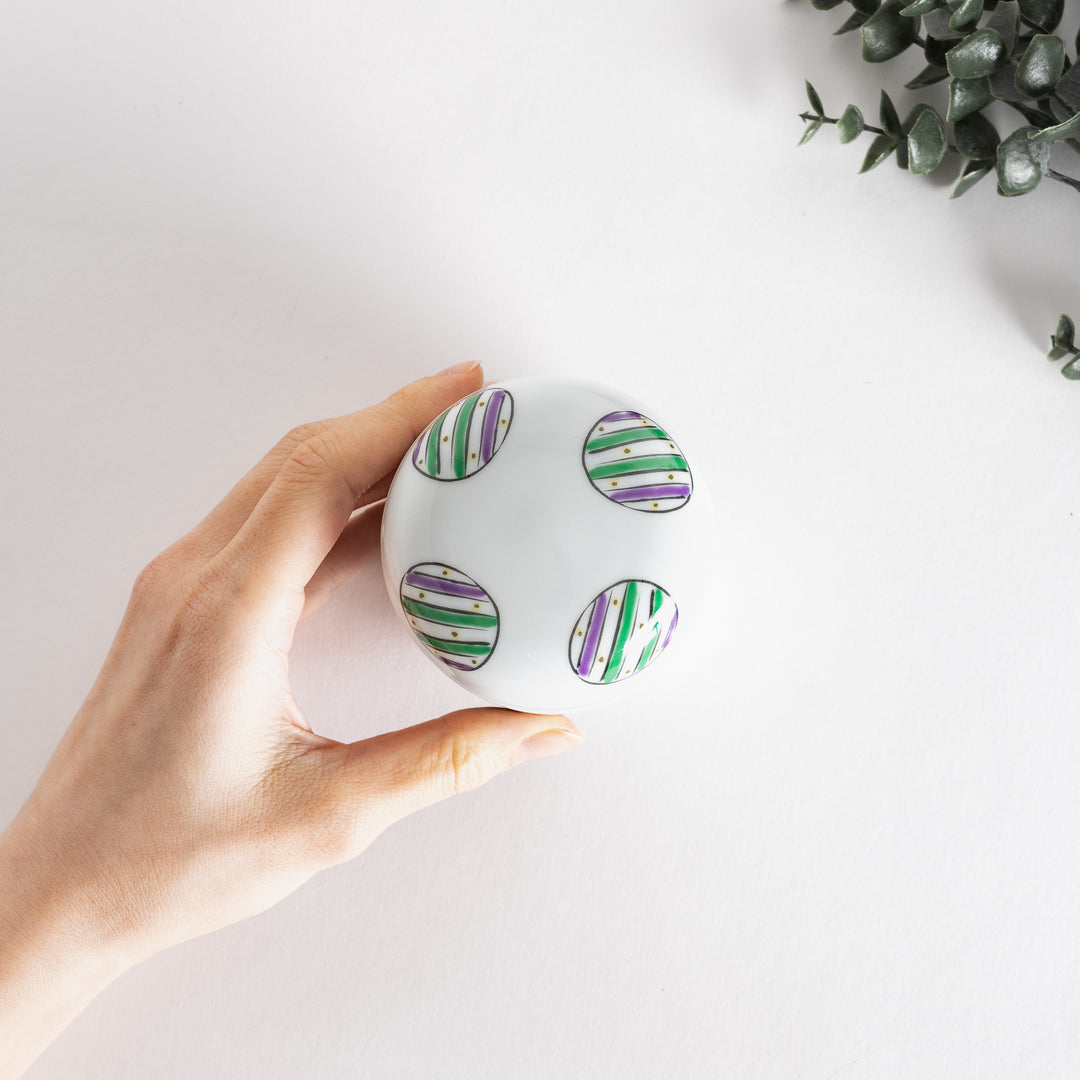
[190,791]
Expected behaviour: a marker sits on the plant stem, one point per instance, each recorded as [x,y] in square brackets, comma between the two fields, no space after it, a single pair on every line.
[808,116]
[1070,180]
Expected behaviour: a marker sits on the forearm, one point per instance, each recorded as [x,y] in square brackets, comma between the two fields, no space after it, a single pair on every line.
[190,790]
[52,960]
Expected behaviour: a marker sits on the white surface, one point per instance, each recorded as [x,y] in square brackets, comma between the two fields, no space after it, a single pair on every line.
[848,851]
[533,530]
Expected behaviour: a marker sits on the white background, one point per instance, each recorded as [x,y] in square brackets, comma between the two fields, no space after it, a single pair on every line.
[848,847]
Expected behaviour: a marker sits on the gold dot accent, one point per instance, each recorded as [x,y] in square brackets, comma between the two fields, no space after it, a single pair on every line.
[421,595]
[671,476]
[446,438]
[672,445]
[473,663]
[473,456]
[615,601]
[580,633]
[503,422]
[600,428]
[453,633]
[476,607]
[599,659]
[645,422]
[656,506]
[640,625]
[614,483]
[420,461]
[627,671]
[626,449]
[413,621]
[481,404]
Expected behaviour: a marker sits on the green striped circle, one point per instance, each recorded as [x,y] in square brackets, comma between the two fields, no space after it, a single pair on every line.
[451,614]
[622,630]
[462,440]
[634,462]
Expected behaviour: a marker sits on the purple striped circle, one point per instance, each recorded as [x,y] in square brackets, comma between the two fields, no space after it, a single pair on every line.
[621,631]
[634,462]
[450,614]
[463,439]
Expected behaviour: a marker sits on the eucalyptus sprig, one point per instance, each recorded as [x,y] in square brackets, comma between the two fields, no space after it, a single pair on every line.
[988,50]
[1062,344]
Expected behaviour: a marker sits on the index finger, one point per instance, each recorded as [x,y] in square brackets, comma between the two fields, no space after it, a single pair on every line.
[301,514]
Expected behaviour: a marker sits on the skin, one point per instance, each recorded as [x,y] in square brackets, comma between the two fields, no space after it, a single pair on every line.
[190,791]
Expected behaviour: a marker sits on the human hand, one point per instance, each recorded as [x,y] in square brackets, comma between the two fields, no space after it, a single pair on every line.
[190,790]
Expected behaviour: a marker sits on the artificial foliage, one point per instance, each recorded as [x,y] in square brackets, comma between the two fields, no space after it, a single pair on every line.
[984,51]
[1062,344]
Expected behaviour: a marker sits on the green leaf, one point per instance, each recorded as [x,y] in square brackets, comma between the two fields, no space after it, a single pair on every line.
[850,125]
[825,5]
[901,159]
[937,25]
[966,15]
[976,137]
[1068,88]
[1059,111]
[1003,88]
[1072,369]
[811,130]
[1021,163]
[815,99]
[926,143]
[935,50]
[879,150]
[972,175]
[1068,130]
[887,33]
[1041,66]
[921,7]
[852,22]
[967,96]
[866,7]
[977,55]
[1056,352]
[890,118]
[927,77]
[1005,19]
[1065,332]
[1034,116]
[1042,14]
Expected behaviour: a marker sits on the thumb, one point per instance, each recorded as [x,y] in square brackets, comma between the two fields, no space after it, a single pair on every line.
[403,771]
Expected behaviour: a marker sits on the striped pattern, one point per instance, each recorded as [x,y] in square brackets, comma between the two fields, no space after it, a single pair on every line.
[622,631]
[451,615]
[466,437]
[637,464]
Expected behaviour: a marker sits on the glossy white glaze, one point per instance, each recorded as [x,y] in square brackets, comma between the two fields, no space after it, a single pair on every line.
[538,542]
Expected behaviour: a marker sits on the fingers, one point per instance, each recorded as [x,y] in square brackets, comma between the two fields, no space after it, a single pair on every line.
[355,550]
[223,522]
[389,776]
[299,517]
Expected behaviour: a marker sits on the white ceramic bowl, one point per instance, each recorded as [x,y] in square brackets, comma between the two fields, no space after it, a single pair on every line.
[540,543]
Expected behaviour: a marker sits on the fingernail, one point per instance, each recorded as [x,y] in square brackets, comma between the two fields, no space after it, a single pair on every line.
[461,369]
[546,743]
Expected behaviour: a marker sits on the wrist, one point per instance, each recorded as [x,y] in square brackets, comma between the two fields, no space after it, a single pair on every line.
[55,957]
